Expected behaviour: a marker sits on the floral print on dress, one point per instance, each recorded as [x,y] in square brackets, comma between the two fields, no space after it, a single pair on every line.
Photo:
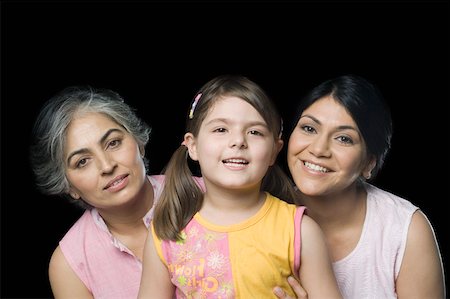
[199,263]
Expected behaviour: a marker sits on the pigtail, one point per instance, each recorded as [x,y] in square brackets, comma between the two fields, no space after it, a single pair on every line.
[180,199]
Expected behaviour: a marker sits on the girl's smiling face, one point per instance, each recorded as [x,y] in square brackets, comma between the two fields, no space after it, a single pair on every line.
[234,146]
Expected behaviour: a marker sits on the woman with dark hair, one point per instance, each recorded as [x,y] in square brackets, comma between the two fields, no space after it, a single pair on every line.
[381,245]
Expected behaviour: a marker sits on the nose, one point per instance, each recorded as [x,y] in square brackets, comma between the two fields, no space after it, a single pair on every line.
[320,146]
[238,139]
[106,164]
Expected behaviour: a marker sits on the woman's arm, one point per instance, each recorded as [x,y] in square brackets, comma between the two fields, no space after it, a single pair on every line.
[155,280]
[63,280]
[421,273]
[316,273]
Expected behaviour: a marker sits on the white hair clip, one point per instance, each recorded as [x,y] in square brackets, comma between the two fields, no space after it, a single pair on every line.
[191,113]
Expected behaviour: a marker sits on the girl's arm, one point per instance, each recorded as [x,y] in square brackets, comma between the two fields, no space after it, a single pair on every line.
[63,280]
[155,280]
[421,263]
[316,273]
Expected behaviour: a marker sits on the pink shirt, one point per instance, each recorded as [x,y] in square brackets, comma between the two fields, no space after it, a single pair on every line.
[105,265]
[371,269]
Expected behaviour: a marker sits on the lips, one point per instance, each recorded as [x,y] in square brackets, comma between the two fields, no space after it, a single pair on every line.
[118,180]
[235,161]
[315,167]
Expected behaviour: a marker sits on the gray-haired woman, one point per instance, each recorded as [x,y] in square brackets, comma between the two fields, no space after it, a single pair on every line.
[89,146]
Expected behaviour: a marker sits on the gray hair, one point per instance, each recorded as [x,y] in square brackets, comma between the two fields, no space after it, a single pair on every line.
[49,132]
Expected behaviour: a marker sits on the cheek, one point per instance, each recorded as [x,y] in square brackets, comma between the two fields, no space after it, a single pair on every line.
[294,165]
[352,162]
[208,149]
[273,154]
[296,144]
[83,182]
[265,153]
[290,148]
[128,155]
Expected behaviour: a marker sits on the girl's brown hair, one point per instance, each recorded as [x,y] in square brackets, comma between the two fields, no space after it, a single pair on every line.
[181,197]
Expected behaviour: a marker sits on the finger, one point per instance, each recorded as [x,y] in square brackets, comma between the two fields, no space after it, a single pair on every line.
[299,291]
[280,293]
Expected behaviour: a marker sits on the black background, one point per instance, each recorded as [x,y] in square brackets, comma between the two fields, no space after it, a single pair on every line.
[157,54]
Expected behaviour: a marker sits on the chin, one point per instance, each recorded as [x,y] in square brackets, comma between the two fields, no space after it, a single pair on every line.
[310,189]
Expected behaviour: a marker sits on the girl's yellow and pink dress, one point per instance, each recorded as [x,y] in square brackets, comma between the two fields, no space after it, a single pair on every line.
[245,260]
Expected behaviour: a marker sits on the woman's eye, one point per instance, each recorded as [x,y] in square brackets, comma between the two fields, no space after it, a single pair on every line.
[308,129]
[81,163]
[114,143]
[345,139]
[220,130]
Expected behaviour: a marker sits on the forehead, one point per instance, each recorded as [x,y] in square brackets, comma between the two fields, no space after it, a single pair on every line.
[230,107]
[91,120]
[327,109]
[88,127]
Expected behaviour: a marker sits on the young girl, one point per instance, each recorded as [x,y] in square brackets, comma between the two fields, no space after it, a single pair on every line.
[235,240]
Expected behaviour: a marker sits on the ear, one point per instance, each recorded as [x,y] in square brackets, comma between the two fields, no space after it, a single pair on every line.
[142,150]
[74,194]
[367,171]
[189,142]
[276,150]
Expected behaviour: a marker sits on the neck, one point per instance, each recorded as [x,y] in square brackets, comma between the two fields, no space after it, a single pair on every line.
[124,219]
[231,206]
[337,209]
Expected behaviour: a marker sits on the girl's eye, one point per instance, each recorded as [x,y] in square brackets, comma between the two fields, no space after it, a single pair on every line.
[255,132]
[345,139]
[220,130]
[308,129]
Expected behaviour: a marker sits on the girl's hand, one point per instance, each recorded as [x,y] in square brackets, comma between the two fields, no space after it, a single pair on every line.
[298,290]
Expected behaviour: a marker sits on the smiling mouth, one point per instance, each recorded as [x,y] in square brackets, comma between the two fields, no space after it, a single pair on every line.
[315,167]
[115,182]
[235,161]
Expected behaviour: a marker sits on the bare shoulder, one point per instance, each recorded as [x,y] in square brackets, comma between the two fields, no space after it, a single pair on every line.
[420,225]
[63,280]
[421,262]
[57,257]
[310,229]
[58,263]
[421,236]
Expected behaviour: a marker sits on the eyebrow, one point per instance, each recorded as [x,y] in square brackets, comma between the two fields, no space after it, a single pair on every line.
[227,121]
[340,128]
[85,150]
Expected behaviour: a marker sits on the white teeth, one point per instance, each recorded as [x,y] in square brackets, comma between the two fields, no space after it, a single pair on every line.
[240,161]
[116,182]
[316,167]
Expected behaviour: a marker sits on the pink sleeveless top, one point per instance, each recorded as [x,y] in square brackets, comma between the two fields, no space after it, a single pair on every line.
[243,260]
[371,269]
[106,266]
